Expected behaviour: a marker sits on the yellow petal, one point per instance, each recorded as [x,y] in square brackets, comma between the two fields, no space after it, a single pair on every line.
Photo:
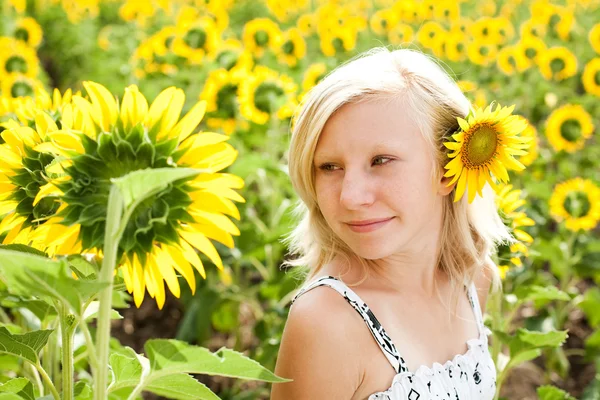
[190,254]
[165,265]
[200,242]
[460,188]
[134,108]
[182,266]
[472,176]
[67,141]
[46,190]
[139,286]
[189,122]
[105,107]
[158,281]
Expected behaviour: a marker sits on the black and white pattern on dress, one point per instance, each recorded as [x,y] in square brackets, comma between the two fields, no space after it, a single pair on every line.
[468,376]
[380,335]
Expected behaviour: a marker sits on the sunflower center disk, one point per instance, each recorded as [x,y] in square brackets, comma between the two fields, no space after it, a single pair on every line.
[196,38]
[577,204]
[481,145]
[570,130]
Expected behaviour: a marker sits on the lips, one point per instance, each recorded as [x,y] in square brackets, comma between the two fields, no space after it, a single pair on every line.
[368,221]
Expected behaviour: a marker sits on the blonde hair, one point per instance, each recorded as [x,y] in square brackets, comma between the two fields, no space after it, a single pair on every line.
[470,232]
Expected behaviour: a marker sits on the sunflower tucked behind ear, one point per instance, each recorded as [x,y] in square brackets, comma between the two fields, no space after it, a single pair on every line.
[486,144]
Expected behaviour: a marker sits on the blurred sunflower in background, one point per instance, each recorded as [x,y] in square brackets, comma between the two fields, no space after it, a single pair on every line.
[531,49]
[292,49]
[530,132]
[401,33]
[17,57]
[383,21]
[509,202]
[594,37]
[162,235]
[486,144]
[557,63]
[16,85]
[28,31]
[232,56]
[266,93]
[261,34]
[577,202]
[222,104]
[591,77]
[568,127]
[197,40]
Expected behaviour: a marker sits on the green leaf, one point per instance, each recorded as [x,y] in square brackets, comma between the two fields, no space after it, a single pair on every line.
[10,396]
[174,356]
[549,392]
[542,339]
[83,391]
[26,346]
[82,267]
[39,308]
[522,357]
[23,249]
[181,387]
[591,306]
[92,312]
[138,185]
[29,275]
[19,386]
[541,293]
[126,368]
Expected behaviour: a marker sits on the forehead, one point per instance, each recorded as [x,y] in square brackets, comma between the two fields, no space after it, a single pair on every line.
[372,125]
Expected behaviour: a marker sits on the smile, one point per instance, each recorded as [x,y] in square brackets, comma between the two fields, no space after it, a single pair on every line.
[369,227]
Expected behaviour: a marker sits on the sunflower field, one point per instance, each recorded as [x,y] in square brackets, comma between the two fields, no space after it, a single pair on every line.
[130,131]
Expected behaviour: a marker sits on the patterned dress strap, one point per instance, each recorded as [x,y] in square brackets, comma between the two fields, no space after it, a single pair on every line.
[474,300]
[379,334]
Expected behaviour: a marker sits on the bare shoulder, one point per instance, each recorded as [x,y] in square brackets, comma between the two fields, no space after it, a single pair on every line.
[317,349]
[483,281]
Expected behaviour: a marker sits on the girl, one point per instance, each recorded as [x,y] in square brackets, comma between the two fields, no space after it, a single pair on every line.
[386,245]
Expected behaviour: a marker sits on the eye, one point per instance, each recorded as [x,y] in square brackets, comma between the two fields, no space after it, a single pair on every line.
[329,167]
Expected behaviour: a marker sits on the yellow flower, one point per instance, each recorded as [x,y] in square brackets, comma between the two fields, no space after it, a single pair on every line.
[16,85]
[408,11]
[401,33]
[138,11]
[221,95]
[591,77]
[576,201]
[461,26]
[284,10]
[594,37]
[486,144]
[265,93]
[383,21]
[162,237]
[261,34]
[557,63]
[531,48]
[104,37]
[313,75]
[292,49]
[568,127]
[307,24]
[559,19]
[232,56]
[510,60]
[17,57]
[532,27]
[337,40]
[531,132]
[29,31]
[473,93]
[197,40]
[482,53]
[484,30]
[508,202]
[431,35]
[447,11]
[455,46]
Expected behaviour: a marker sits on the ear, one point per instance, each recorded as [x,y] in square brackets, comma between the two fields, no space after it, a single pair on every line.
[443,188]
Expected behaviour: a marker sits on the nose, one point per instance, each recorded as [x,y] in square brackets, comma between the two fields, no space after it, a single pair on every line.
[356,191]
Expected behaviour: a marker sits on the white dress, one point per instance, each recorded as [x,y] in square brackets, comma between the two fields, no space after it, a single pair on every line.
[467,376]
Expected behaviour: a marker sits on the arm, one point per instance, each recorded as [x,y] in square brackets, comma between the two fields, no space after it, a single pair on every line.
[317,350]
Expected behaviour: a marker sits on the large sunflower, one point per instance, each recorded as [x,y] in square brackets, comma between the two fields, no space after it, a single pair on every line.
[576,201]
[163,234]
[486,144]
[568,127]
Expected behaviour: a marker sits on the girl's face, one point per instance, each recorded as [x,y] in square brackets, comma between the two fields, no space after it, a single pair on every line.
[372,163]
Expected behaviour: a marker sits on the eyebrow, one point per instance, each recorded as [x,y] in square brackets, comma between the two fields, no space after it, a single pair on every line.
[379,147]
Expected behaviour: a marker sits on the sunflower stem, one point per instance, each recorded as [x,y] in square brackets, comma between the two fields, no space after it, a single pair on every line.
[112,235]
[67,329]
